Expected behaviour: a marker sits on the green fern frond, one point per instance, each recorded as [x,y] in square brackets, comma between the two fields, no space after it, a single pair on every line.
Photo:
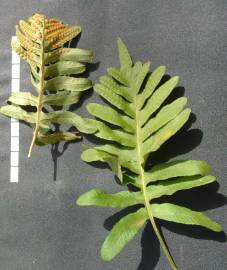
[135,126]
[55,74]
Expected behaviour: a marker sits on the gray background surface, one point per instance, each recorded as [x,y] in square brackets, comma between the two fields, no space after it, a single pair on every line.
[41,228]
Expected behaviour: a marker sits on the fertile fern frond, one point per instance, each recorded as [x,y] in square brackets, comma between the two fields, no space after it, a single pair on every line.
[136,125]
[54,74]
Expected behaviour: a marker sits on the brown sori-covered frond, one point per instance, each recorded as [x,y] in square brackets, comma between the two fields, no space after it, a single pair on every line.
[39,42]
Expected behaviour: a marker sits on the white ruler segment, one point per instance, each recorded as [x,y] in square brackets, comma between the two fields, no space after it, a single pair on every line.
[14,147]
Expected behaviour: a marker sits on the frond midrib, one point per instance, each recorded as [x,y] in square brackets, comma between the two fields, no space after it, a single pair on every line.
[41,90]
[144,187]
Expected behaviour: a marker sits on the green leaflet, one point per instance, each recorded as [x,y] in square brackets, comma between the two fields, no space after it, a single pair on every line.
[153,80]
[23,99]
[135,125]
[68,118]
[124,56]
[179,214]
[66,54]
[91,155]
[154,142]
[126,156]
[64,68]
[99,197]
[67,83]
[109,115]
[117,135]
[114,99]
[111,85]
[177,168]
[61,99]
[166,114]
[139,77]
[18,113]
[122,233]
[118,75]
[169,187]
[103,152]
[52,68]
[27,99]
[156,100]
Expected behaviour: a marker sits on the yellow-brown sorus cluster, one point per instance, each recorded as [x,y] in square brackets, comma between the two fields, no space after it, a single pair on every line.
[58,34]
[52,21]
[26,55]
[27,43]
[54,27]
[30,31]
[64,36]
[37,23]
[38,18]
[55,34]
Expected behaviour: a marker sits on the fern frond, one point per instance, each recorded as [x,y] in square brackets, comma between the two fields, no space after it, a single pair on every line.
[54,74]
[133,127]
